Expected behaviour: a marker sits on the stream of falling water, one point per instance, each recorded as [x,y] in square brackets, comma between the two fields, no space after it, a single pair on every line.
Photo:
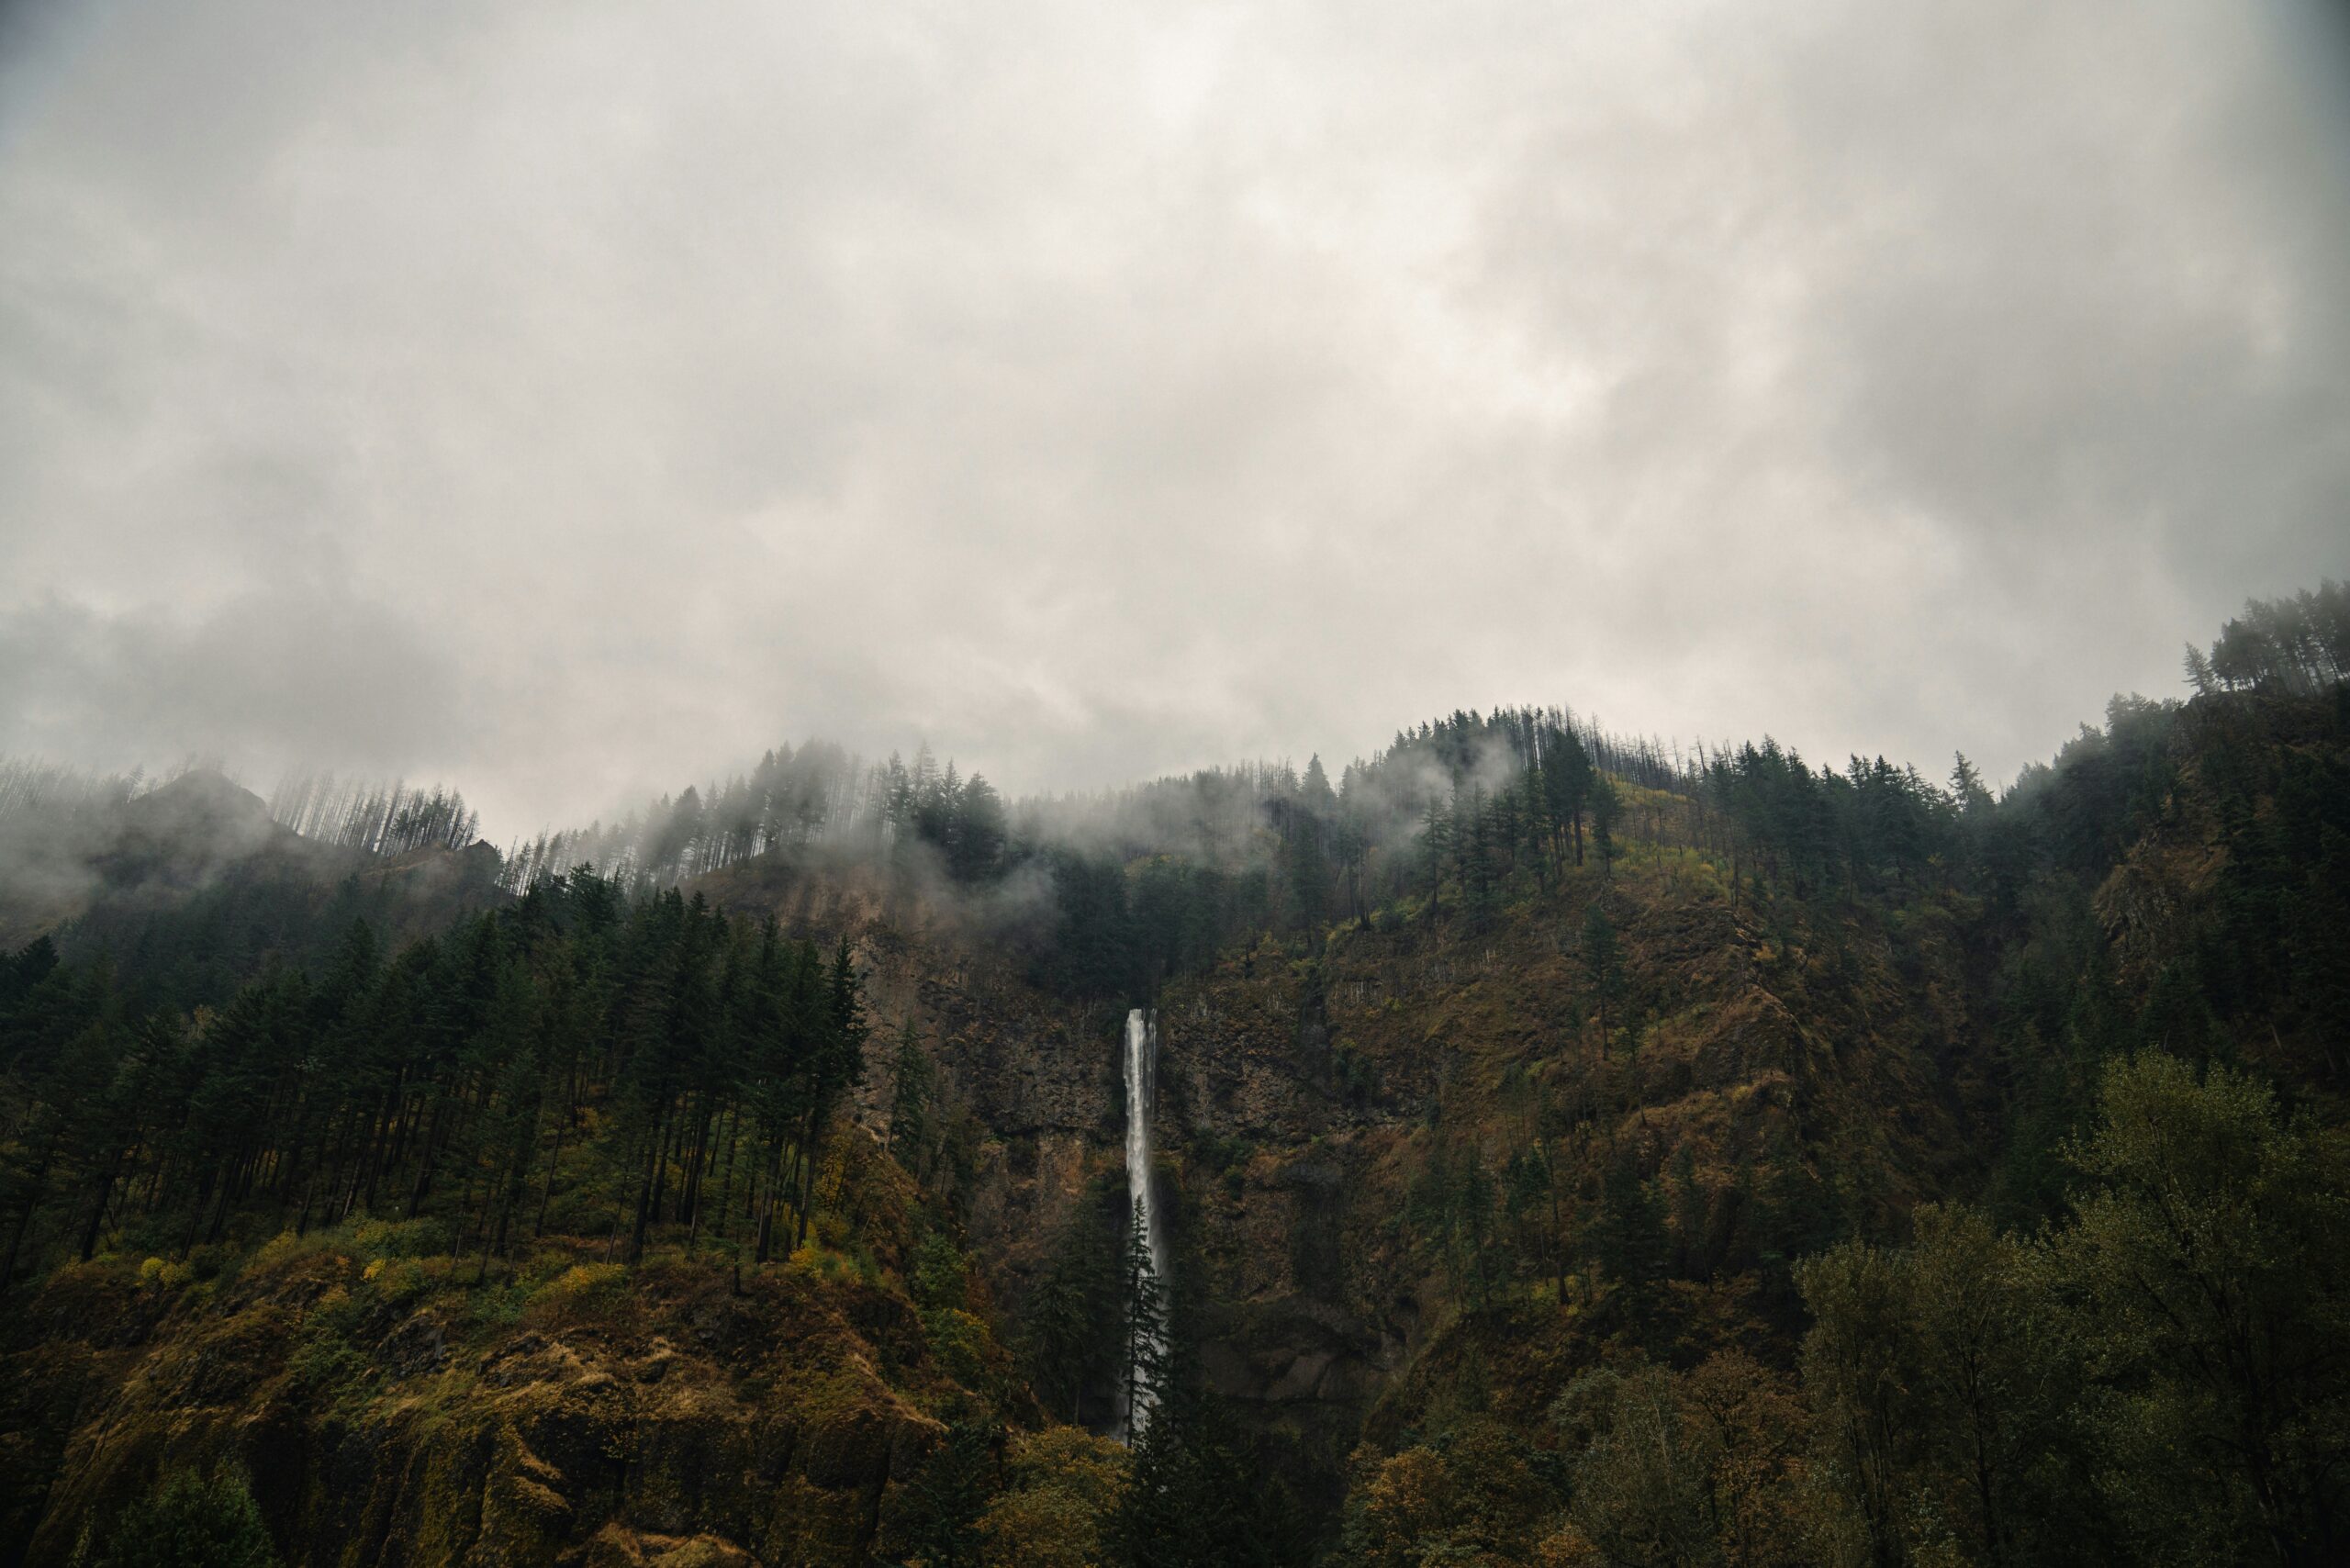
[1142,1064]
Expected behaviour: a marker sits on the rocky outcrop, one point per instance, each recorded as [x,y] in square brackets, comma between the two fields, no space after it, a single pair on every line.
[676,1424]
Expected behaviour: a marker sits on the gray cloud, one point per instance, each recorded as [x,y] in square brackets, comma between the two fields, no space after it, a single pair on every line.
[266,679]
[571,399]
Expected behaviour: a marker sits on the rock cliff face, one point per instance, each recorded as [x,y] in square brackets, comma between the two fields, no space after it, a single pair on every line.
[384,1420]
[1307,1085]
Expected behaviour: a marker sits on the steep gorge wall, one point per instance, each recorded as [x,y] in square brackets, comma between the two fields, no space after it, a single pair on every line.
[674,1422]
[1304,1095]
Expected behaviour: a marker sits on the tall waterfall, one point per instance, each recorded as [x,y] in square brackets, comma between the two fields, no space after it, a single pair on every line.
[1142,1065]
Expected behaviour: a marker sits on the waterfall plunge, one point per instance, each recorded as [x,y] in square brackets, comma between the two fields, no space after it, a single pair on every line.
[1142,1064]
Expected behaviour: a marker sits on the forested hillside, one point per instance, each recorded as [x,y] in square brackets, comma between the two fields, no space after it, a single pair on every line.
[1576,1152]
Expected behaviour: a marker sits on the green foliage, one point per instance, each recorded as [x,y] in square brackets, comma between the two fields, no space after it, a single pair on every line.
[2132,961]
[1475,1491]
[325,1360]
[2207,1274]
[1063,1488]
[935,1519]
[2161,1379]
[1643,1480]
[2300,645]
[1452,1207]
[1694,1468]
[913,1087]
[941,1273]
[1194,1499]
[190,1521]
[1142,1324]
[1626,1232]
[1069,1323]
[963,1348]
[439,1098]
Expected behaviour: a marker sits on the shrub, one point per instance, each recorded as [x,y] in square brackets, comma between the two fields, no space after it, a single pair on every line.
[396,1278]
[581,1283]
[401,1238]
[1065,1486]
[940,1274]
[961,1345]
[187,1522]
[160,1275]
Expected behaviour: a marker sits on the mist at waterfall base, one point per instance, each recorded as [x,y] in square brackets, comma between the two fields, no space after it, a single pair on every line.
[1142,1071]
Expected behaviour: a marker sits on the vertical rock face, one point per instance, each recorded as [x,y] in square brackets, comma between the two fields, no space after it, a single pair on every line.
[1290,1102]
[676,1422]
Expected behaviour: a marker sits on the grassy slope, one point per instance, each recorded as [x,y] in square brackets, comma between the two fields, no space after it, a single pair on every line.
[394,1405]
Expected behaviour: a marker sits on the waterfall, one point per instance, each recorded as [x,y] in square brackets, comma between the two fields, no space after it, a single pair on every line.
[1142,1072]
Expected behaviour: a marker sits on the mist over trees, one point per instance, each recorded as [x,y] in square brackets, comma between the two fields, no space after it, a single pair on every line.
[818,797]
[2300,645]
[374,819]
[446,1079]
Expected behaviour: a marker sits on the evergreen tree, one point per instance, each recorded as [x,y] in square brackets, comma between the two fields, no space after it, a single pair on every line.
[189,1521]
[1627,1234]
[1142,1356]
[1194,1500]
[1607,806]
[1601,964]
[1072,1320]
[909,1101]
[978,832]
[935,1520]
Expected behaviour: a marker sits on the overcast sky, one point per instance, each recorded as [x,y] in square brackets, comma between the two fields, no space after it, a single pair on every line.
[560,399]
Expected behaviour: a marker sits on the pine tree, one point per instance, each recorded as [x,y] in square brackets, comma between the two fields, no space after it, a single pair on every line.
[1143,1321]
[909,1101]
[1566,785]
[936,1516]
[1436,849]
[1601,963]
[1606,805]
[1196,1500]
[1628,1233]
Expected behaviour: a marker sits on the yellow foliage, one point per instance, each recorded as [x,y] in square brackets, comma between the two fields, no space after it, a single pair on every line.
[1043,1529]
[157,1274]
[1409,1497]
[395,1278]
[961,1345]
[278,1249]
[1570,1548]
[1065,1484]
[818,1262]
[1072,1458]
[585,1279]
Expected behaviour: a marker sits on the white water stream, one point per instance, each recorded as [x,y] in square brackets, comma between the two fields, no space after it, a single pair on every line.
[1142,1072]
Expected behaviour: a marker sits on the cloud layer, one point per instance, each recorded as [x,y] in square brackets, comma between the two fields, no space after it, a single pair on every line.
[565,398]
